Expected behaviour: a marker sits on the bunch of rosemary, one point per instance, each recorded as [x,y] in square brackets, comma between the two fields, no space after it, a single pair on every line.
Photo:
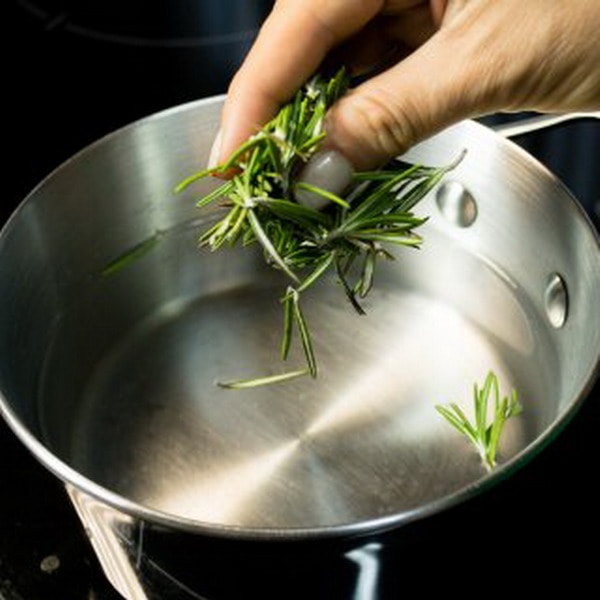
[484,436]
[347,236]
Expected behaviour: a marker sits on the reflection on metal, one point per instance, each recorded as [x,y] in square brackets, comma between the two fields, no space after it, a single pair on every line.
[50,563]
[539,122]
[225,496]
[456,204]
[118,541]
[367,560]
[556,300]
[107,529]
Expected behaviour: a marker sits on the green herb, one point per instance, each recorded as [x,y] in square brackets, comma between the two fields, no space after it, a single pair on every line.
[132,254]
[347,237]
[240,384]
[483,435]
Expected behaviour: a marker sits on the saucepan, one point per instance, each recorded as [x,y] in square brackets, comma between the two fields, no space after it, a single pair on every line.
[109,377]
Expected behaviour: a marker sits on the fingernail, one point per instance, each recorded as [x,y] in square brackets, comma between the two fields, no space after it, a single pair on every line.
[327,169]
[215,151]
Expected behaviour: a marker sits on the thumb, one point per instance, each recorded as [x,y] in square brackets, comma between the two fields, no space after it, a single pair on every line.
[435,86]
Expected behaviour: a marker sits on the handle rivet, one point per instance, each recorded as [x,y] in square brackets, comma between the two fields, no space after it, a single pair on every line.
[556,300]
[456,204]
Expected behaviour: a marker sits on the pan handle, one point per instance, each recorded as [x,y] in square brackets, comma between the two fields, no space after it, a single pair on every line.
[537,122]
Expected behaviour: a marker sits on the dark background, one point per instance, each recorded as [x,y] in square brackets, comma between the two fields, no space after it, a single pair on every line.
[74,71]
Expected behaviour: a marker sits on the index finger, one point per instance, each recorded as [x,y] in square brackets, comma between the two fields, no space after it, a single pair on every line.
[292,43]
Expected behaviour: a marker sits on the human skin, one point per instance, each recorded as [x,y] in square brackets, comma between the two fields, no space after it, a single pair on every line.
[450,60]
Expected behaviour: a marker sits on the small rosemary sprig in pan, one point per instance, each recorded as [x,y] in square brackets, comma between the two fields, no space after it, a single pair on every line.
[347,237]
[484,435]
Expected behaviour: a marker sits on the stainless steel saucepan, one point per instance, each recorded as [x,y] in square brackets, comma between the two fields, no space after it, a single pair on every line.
[110,380]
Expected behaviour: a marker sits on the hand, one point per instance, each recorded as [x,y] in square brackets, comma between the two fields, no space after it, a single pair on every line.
[456,59]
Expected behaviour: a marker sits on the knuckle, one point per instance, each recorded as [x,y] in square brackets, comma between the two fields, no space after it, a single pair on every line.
[381,123]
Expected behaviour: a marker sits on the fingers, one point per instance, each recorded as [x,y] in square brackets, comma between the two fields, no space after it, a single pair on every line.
[389,113]
[385,40]
[292,43]
[487,57]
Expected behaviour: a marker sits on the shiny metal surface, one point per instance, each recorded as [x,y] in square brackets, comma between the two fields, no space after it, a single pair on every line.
[362,442]
[541,121]
[111,380]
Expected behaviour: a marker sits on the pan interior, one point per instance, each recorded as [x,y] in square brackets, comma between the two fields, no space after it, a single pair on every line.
[361,441]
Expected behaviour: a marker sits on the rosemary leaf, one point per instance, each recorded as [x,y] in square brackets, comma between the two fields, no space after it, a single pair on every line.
[389,237]
[262,237]
[404,220]
[481,410]
[311,142]
[301,215]
[288,324]
[240,384]
[255,140]
[350,293]
[468,429]
[321,267]
[368,271]
[218,192]
[237,227]
[302,185]
[131,255]
[304,336]
[192,179]
[454,420]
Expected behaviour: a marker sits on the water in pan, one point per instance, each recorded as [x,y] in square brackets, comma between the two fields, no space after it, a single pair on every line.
[362,441]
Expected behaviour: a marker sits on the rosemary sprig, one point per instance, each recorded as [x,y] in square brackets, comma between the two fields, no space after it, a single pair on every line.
[484,436]
[132,254]
[347,237]
[241,384]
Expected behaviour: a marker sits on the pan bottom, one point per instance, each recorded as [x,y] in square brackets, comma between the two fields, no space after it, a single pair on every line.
[362,441]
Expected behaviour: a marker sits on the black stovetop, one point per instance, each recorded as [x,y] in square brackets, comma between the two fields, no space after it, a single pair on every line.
[78,70]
